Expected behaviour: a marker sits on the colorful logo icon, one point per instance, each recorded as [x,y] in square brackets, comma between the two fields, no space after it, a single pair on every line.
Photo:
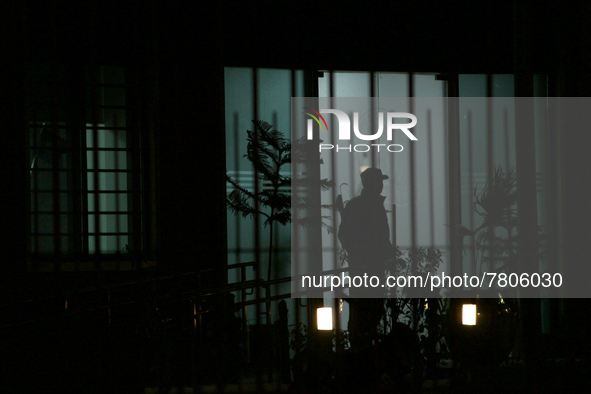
[316,118]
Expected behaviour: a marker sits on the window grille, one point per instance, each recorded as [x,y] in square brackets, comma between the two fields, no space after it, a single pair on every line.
[85,164]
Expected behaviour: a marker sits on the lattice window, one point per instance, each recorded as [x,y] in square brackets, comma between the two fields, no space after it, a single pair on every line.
[85,168]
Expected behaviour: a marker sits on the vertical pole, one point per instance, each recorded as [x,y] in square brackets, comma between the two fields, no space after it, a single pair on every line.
[471,188]
[413,176]
[431,181]
[194,344]
[314,203]
[335,242]
[295,229]
[257,232]
[453,175]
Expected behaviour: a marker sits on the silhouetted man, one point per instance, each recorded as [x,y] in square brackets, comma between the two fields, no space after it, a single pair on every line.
[365,235]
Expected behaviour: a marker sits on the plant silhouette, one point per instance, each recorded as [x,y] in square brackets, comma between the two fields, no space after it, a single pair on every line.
[269,152]
[496,204]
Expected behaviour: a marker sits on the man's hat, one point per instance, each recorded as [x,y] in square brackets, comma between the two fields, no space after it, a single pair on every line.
[373,173]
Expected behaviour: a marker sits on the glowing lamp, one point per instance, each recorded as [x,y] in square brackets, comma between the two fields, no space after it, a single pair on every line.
[469,314]
[324,318]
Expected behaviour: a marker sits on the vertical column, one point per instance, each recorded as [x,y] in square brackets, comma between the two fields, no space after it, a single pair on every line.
[453,175]
[191,138]
[314,232]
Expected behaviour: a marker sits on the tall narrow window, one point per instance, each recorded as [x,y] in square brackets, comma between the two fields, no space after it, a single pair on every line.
[109,163]
[85,164]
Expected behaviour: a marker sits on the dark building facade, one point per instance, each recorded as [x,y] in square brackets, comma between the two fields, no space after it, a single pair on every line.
[141,85]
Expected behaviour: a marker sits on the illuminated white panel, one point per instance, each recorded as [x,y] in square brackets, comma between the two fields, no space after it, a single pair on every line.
[324,318]
[469,314]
